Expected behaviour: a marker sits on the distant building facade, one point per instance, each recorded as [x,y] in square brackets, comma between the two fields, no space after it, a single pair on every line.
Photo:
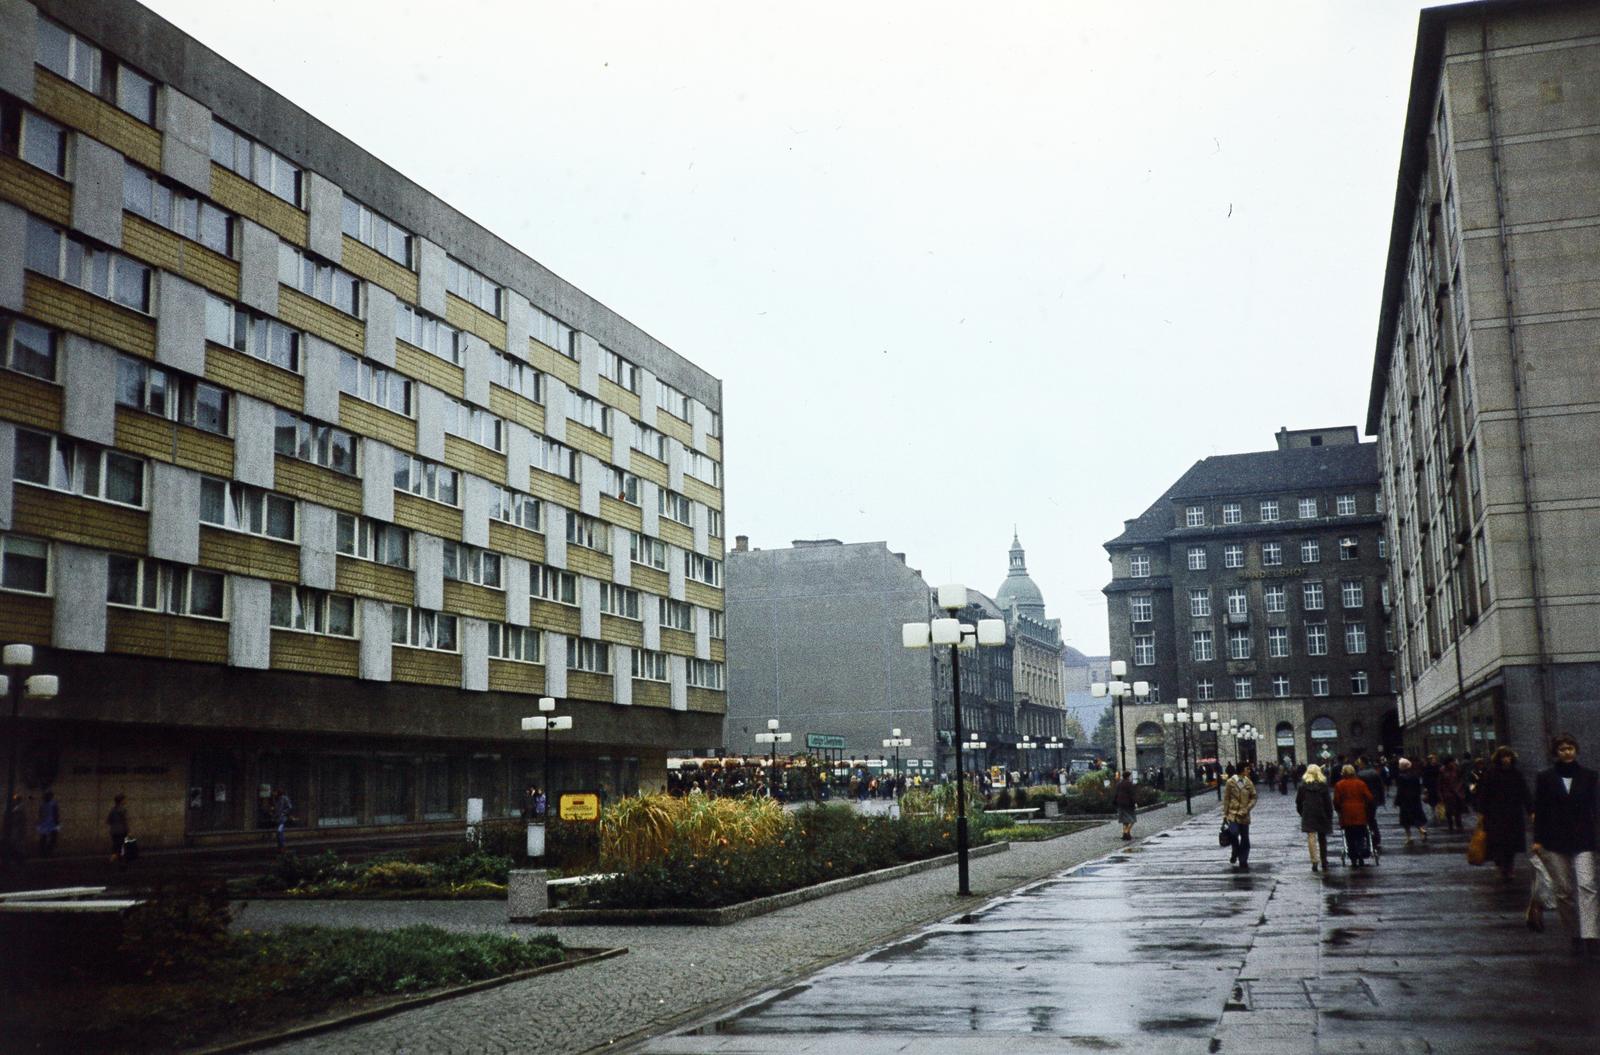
[1037,670]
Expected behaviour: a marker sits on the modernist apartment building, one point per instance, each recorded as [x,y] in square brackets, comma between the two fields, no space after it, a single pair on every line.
[308,481]
[1255,587]
[1486,385]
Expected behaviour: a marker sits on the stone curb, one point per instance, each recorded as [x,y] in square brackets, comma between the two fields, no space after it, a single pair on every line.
[394,1007]
[717,917]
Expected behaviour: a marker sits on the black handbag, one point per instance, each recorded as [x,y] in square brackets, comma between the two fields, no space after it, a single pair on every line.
[1225,836]
[130,849]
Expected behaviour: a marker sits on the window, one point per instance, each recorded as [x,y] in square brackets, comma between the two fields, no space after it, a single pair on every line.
[701,569]
[649,441]
[1275,597]
[1383,547]
[464,563]
[714,522]
[588,412]
[619,601]
[518,643]
[1238,643]
[432,335]
[553,584]
[1232,513]
[1194,516]
[718,628]
[714,426]
[517,509]
[78,468]
[703,468]
[367,380]
[178,211]
[1271,554]
[29,348]
[1308,508]
[1349,548]
[1242,689]
[1277,641]
[588,532]
[1205,689]
[147,387]
[624,487]
[419,628]
[474,423]
[1351,593]
[676,615]
[704,674]
[618,370]
[1141,606]
[1197,558]
[1203,649]
[1280,685]
[1269,510]
[377,232]
[75,261]
[268,170]
[1139,565]
[1355,638]
[240,507]
[513,375]
[313,611]
[309,441]
[24,564]
[556,459]
[1311,596]
[139,582]
[438,483]
[586,655]
[332,285]
[1310,551]
[1319,685]
[242,330]
[1238,602]
[673,402]
[63,52]
[373,540]
[1199,601]
[651,552]
[1345,505]
[37,140]
[553,333]
[1233,555]
[649,666]
[1316,639]
[674,506]
[1358,683]
[471,286]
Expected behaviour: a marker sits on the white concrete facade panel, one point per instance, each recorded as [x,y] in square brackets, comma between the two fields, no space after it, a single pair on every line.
[80,576]
[88,409]
[249,622]
[97,190]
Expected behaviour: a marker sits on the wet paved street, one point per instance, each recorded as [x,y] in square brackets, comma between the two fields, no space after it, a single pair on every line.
[1164,948]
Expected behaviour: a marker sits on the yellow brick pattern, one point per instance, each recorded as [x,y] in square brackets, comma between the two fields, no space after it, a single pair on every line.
[651,694]
[467,598]
[366,578]
[675,427]
[474,320]
[553,488]
[678,642]
[708,701]
[430,369]
[314,317]
[674,533]
[518,408]
[426,667]
[365,262]
[621,631]
[510,676]
[30,401]
[69,308]
[146,434]
[316,484]
[232,191]
[582,685]
[35,190]
[518,542]
[594,564]
[71,105]
[420,514]
[369,419]
[702,595]
[715,547]
[647,468]
[26,619]
[73,518]
[614,395]
[552,362]
[204,451]
[474,458]
[719,651]
[547,615]
[701,492]
[170,636]
[315,653]
[616,511]
[235,551]
[583,438]
[714,448]
[649,580]
[170,252]
[247,374]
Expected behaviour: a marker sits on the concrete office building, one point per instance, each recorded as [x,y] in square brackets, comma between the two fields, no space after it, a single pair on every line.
[1485,396]
[306,480]
[1254,587]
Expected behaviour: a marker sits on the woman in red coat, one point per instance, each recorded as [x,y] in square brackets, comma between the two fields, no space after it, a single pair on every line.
[1353,800]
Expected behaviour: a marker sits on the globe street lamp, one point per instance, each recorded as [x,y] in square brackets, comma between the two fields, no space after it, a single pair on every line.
[1058,746]
[975,744]
[36,687]
[896,741]
[546,723]
[959,636]
[1027,743]
[773,737]
[1183,719]
[1120,690]
[1248,734]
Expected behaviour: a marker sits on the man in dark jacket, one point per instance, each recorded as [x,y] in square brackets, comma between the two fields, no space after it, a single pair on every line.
[1566,800]
[1373,779]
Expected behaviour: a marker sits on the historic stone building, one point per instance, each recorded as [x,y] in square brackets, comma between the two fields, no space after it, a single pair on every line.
[1037,668]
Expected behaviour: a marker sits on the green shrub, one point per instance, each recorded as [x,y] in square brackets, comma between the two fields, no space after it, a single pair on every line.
[178,929]
[398,875]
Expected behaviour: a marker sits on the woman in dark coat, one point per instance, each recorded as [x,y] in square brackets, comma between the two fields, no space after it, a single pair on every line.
[1314,803]
[1452,794]
[1503,802]
[1408,800]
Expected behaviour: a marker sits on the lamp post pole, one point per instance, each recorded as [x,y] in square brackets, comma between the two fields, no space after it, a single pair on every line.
[773,737]
[1027,743]
[1182,719]
[546,723]
[1120,690]
[896,741]
[39,687]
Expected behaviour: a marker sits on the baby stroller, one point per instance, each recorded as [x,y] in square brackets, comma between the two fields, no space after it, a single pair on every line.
[1357,847]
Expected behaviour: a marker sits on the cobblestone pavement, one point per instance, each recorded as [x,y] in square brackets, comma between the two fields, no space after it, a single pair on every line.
[1166,948]
[670,974]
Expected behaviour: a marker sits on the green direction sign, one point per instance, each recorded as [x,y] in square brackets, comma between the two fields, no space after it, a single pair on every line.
[825,740]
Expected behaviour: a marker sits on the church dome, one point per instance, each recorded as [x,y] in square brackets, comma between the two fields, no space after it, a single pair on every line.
[1019,591]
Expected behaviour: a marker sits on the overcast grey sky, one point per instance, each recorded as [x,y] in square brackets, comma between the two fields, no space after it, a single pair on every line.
[958,266]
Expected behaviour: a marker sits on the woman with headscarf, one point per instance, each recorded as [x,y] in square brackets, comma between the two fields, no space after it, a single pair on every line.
[1408,800]
[1503,804]
[1353,799]
[1314,803]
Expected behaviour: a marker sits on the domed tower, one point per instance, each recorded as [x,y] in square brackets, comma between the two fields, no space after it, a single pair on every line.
[1019,592]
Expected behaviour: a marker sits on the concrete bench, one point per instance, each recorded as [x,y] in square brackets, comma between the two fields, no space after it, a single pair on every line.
[74,908]
[65,893]
[1028,811]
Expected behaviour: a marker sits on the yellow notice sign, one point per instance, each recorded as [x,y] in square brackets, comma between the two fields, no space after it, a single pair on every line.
[582,806]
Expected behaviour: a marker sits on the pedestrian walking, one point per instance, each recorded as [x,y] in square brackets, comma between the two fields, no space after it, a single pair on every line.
[13,830]
[49,824]
[1408,792]
[117,826]
[1566,808]
[1452,793]
[1503,804]
[1314,803]
[1353,801]
[1238,800]
[1372,777]
[282,813]
[1125,798]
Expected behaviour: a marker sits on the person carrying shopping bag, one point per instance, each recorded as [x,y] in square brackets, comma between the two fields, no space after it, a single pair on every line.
[1238,800]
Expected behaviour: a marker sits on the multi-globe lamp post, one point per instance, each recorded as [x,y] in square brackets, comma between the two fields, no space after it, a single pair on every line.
[14,684]
[1026,744]
[1184,720]
[1119,690]
[773,737]
[547,723]
[896,741]
[951,631]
